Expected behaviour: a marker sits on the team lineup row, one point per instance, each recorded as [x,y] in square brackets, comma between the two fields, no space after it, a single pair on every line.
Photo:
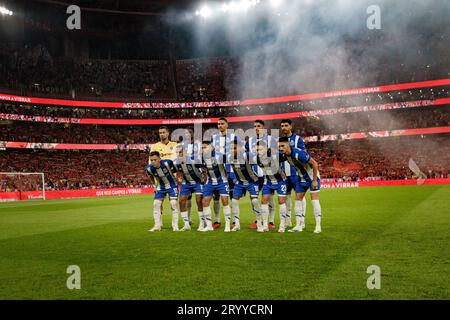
[225,167]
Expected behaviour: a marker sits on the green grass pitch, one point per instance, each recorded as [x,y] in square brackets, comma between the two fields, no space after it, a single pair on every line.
[403,230]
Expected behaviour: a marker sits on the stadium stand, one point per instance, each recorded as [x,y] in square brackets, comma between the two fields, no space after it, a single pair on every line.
[32,70]
[307,126]
[359,160]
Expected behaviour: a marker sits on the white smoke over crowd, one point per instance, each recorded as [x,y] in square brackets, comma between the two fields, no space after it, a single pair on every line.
[326,44]
[304,46]
[300,45]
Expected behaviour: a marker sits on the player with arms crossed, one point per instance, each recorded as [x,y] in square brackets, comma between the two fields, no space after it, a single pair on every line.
[274,180]
[308,179]
[217,182]
[162,173]
[191,177]
[245,179]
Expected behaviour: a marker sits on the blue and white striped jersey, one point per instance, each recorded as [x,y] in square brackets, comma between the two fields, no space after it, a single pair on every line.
[252,144]
[299,159]
[244,171]
[191,172]
[272,168]
[215,169]
[296,142]
[165,174]
[193,152]
[222,146]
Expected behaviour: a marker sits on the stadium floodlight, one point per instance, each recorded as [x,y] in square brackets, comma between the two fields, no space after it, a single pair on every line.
[5,11]
[228,7]
[204,12]
[276,3]
[239,6]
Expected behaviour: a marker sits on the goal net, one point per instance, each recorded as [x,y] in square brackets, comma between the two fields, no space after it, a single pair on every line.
[27,185]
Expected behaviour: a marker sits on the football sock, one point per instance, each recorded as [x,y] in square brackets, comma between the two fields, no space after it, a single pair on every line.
[207,216]
[282,215]
[227,213]
[271,210]
[317,211]
[298,212]
[217,211]
[235,210]
[173,204]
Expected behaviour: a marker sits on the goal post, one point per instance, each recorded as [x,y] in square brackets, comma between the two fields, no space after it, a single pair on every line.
[31,183]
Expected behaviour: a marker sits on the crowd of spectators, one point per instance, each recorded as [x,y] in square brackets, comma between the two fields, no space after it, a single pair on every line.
[31,70]
[206,79]
[128,78]
[370,159]
[373,121]
[383,159]
[370,99]
[66,170]
[419,117]
[71,133]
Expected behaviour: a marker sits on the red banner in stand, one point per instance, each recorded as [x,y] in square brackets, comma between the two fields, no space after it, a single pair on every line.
[68,194]
[162,105]
[280,116]
[115,105]
[341,93]
[383,183]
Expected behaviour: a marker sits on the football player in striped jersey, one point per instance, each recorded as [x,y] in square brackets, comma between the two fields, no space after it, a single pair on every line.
[296,142]
[217,181]
[274,181]
[192,149]
[308,179]
[246,179]
[221,142]
[191,177]
[262,135]
[162,174]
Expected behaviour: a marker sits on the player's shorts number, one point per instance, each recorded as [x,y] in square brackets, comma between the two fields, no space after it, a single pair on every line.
[283,188]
